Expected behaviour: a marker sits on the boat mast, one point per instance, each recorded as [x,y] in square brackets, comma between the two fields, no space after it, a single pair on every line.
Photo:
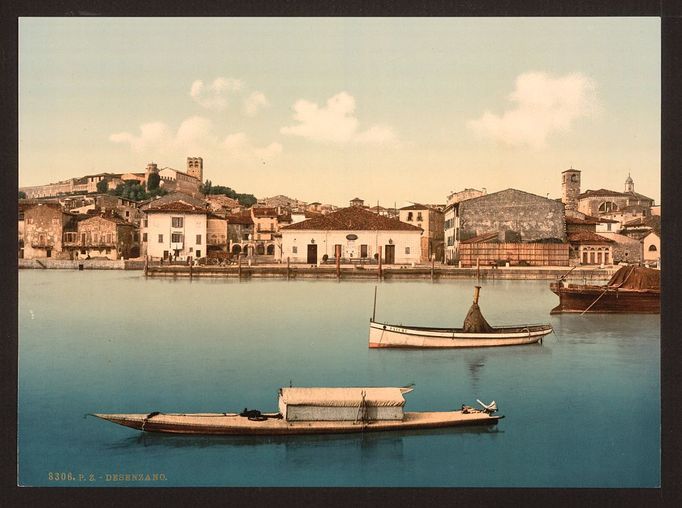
[374,309]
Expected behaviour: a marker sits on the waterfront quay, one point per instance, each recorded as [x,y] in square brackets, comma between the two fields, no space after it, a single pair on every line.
[394,272]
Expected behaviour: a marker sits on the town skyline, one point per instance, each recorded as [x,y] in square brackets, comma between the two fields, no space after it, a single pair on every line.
[388,110]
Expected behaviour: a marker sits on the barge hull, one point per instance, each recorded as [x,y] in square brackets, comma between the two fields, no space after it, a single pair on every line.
[231,424]
[577,299]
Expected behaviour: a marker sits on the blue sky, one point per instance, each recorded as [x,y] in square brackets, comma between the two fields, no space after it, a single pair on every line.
[326,109]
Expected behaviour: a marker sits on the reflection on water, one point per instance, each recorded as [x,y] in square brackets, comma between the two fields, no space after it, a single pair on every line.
[374,440]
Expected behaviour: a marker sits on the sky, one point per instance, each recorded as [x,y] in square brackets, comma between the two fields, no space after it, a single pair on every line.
[391,110]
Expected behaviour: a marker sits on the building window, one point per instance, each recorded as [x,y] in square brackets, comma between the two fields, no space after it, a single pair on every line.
[145,223]
[198,253]
[407,250]
[176,222]
[176,238]
[160,238]
[363,251]
[108,237]
[419,216]
[652,248]
[608,227]
[127,214]
[144,237]
[198,240]
[294,250]
[409,216]
[608,206]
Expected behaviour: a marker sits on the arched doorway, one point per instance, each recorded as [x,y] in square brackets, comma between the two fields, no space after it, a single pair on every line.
[271,250]
[236,249]
[260,249]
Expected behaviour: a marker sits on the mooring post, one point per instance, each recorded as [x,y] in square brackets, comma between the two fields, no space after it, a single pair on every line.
[190,267]
[478,268]
[239,265]
[379,271]
[433,262]
[287,267]
[337,253]
[146,265]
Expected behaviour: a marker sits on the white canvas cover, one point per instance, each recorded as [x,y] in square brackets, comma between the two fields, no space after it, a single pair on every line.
[342,397]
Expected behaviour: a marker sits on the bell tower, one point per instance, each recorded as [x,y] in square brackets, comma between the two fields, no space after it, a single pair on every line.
[570,188]
[629,184]
[195,168]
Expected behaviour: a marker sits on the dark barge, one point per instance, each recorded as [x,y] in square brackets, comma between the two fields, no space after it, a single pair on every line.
[631,290]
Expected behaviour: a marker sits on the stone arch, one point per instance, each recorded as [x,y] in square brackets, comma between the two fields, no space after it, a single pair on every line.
[260,249]
[270,249]
[608,206]
[236,249]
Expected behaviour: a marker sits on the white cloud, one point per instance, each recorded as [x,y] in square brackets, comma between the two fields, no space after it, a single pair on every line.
[238,146]
[215,95]
[195,135]
[334,123]
[254,103]
[543,105]
[153,135]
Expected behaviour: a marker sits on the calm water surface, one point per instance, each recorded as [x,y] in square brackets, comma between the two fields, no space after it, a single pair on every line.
[582,409]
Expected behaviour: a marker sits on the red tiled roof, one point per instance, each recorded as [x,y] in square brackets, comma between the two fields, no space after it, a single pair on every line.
[265,212]
[587,237]
[484,238]
[415,206]
[239,218]
[352,218]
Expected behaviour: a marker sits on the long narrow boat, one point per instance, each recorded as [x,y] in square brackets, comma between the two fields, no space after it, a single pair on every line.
[476,332]
[631,289]
[313,411]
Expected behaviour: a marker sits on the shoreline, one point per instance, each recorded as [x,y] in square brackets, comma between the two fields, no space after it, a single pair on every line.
[344,272]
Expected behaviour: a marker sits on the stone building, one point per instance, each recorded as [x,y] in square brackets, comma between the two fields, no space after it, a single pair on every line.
[514,215]
[586,246]
[44,228]
[216,234]
[103,237]
[615,205]
[240,233]
[431,221]
[265,229]
[359,234]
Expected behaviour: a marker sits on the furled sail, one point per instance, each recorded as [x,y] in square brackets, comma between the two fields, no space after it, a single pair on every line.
[474,322]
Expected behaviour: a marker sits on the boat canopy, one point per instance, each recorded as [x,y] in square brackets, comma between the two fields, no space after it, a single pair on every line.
[636,277]
[342,397]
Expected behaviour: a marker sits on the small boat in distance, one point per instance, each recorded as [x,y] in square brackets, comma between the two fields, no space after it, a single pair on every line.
[476,332]
[313,411]
[632,289]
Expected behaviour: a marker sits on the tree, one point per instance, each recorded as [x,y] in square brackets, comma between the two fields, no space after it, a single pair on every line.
[153,181]
[22,195]
[206,188]
[102,186]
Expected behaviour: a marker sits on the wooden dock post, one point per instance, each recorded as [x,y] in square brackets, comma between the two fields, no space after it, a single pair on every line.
[288,272]
[478,268]
[379,271]
[190,267]
[146,265]
[433,262]
[337,253]
[239,266]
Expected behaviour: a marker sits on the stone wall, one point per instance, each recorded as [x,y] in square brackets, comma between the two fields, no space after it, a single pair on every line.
[66,264]
[532,217]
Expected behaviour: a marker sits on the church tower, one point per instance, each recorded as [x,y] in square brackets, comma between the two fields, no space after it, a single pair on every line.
[629,184]
[570,188]
[195,168]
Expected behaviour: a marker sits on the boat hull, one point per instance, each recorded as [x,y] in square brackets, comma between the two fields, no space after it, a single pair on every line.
[598,299]
[233,424]
[383,335]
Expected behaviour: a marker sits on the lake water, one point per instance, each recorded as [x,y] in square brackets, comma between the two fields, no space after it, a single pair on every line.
[582,409]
